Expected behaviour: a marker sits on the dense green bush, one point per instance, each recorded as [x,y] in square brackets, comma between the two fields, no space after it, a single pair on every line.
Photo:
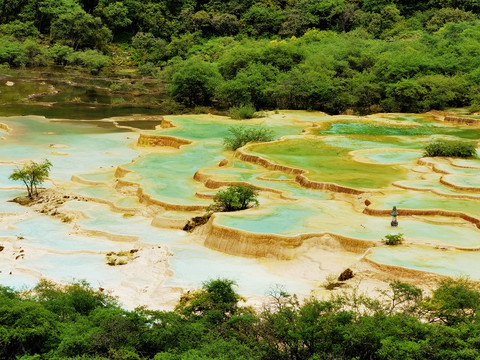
[92,60]
[120,86]
[235,197]
[19,30]
[16,53]
[148,69]
[60,53]
[193,81]
[242,112]
[450,148]
[240,135]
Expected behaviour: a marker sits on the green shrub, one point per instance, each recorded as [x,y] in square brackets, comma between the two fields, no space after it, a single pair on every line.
[236,197]
[16,53]
[172,107]
[240,135]
[393,239]
[140,87]
[60,53]
[201,110]
[120,86]
[242,112]
[93,60]
[450,148]
[147,69]
[475,105]
[19,29]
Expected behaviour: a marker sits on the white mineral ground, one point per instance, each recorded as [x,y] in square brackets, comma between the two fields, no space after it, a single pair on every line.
[144,280]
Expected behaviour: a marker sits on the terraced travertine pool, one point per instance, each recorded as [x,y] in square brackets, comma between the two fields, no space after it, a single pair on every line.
[377,161]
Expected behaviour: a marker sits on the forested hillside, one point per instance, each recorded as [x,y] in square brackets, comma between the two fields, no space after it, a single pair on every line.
[330,55]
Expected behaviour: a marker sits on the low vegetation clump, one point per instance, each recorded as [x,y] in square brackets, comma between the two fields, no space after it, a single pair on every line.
[241,135]
[120,258]
[393,239]
[92,60]
[148,69]
[235,197]
[242,112]
[450,148]
[78,322]
[331,282]
[120,87]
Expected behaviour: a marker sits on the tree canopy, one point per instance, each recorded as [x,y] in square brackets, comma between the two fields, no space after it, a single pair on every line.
[235,197]
[32,174]
[77,322]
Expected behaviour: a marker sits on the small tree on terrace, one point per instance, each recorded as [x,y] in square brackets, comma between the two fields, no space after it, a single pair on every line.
[240,135]
[32,174]
[236,197]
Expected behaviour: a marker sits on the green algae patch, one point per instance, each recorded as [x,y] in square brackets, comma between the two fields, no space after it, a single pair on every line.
[328,163]
[398,126]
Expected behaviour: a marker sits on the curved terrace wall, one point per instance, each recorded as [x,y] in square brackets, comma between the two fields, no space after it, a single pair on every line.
[300,178]
[460,120]
[244,243]
[149,200]
[394,271]
[210,183]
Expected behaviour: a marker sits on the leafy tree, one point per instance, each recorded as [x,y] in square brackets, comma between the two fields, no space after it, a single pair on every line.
[454,301]
[19,30]
[405,95]
[235,197]
[80,30]
[217,300]
[116,16]
[180,45]
[44,12]
[262,20]
[193,82]
[60,53]
[225,24]
[297,22]
[71,300]
[32,174]
[148,69]
[447,15]
[324,12]
[403,298]
[26,327]
[253,84]
[148,48]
